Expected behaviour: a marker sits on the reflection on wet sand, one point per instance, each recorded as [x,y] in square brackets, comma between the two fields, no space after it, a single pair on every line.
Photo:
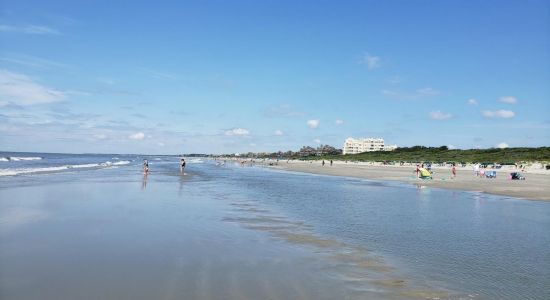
[181,181]
[12,218]
[364,273]
[144,182]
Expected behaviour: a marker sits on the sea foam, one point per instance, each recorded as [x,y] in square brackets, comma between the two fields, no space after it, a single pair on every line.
[19,171]
[19,158]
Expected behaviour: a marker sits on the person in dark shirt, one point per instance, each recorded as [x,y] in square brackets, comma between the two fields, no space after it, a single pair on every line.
[182,165]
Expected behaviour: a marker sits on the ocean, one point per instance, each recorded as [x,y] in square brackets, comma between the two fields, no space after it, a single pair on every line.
[93,226]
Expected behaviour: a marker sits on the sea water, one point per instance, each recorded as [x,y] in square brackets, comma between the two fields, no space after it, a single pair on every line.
[469,245]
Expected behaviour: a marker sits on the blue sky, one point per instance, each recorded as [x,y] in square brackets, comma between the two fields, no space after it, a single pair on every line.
[235,76]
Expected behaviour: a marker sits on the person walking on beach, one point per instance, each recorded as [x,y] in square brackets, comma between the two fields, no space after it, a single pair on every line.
[331,162]
[453,171]
[417,171]
[323,163]
[145,167]
[182,165]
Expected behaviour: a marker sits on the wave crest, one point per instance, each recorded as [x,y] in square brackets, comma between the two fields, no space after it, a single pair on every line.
[19,158]
[19,171]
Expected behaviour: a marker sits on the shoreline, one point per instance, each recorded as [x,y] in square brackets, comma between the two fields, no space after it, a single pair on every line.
[196,245]
[535,187]
[245,232]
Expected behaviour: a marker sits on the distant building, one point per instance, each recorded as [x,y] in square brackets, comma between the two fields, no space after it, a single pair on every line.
[354,146]
[390,147]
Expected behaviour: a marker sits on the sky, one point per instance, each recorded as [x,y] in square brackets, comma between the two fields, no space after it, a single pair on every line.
[169,77]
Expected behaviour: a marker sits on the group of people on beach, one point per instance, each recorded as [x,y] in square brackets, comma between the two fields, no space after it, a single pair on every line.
[146,166]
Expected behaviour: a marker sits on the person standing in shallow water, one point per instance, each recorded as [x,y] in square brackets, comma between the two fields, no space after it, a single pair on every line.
[145,167]
[182,165]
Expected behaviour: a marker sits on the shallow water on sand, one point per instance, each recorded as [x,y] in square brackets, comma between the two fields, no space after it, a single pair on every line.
[228,232]
[478,245]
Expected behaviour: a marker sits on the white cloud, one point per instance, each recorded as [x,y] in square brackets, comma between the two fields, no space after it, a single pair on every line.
[283,111]
[313,124]
[318,141]
[158,74]
[505,114]
[160,144]
[394,80]
[472,101]
[32,61]
[100,136]
[23,90]
[339,122]
[29,29]
[237,132]
[438,115]
[502,145]
[508,99]
[451,147]
[371,61]
[428,91]
[416,95]
[278,132]
[137,136]
[393,94]
[106,80]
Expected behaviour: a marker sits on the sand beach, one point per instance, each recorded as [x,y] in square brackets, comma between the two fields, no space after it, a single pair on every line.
[535,187]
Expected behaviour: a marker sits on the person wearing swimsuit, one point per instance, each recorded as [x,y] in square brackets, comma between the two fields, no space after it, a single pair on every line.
[145,166]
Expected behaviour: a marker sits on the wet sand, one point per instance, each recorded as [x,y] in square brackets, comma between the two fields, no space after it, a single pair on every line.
[364,274]
[211,234]
[124,240]
[535,187]
[117,241]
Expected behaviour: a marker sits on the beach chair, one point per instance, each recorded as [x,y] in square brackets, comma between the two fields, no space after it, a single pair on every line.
[516,176]
[491,174]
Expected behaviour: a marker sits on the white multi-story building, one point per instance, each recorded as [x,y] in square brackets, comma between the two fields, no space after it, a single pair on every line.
[390,147]
[354,146]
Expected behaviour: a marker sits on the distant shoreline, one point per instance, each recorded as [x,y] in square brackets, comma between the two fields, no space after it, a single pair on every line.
[535,187]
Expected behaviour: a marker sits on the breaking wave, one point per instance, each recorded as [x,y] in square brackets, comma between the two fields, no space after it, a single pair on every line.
[19,171]
[19,158]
